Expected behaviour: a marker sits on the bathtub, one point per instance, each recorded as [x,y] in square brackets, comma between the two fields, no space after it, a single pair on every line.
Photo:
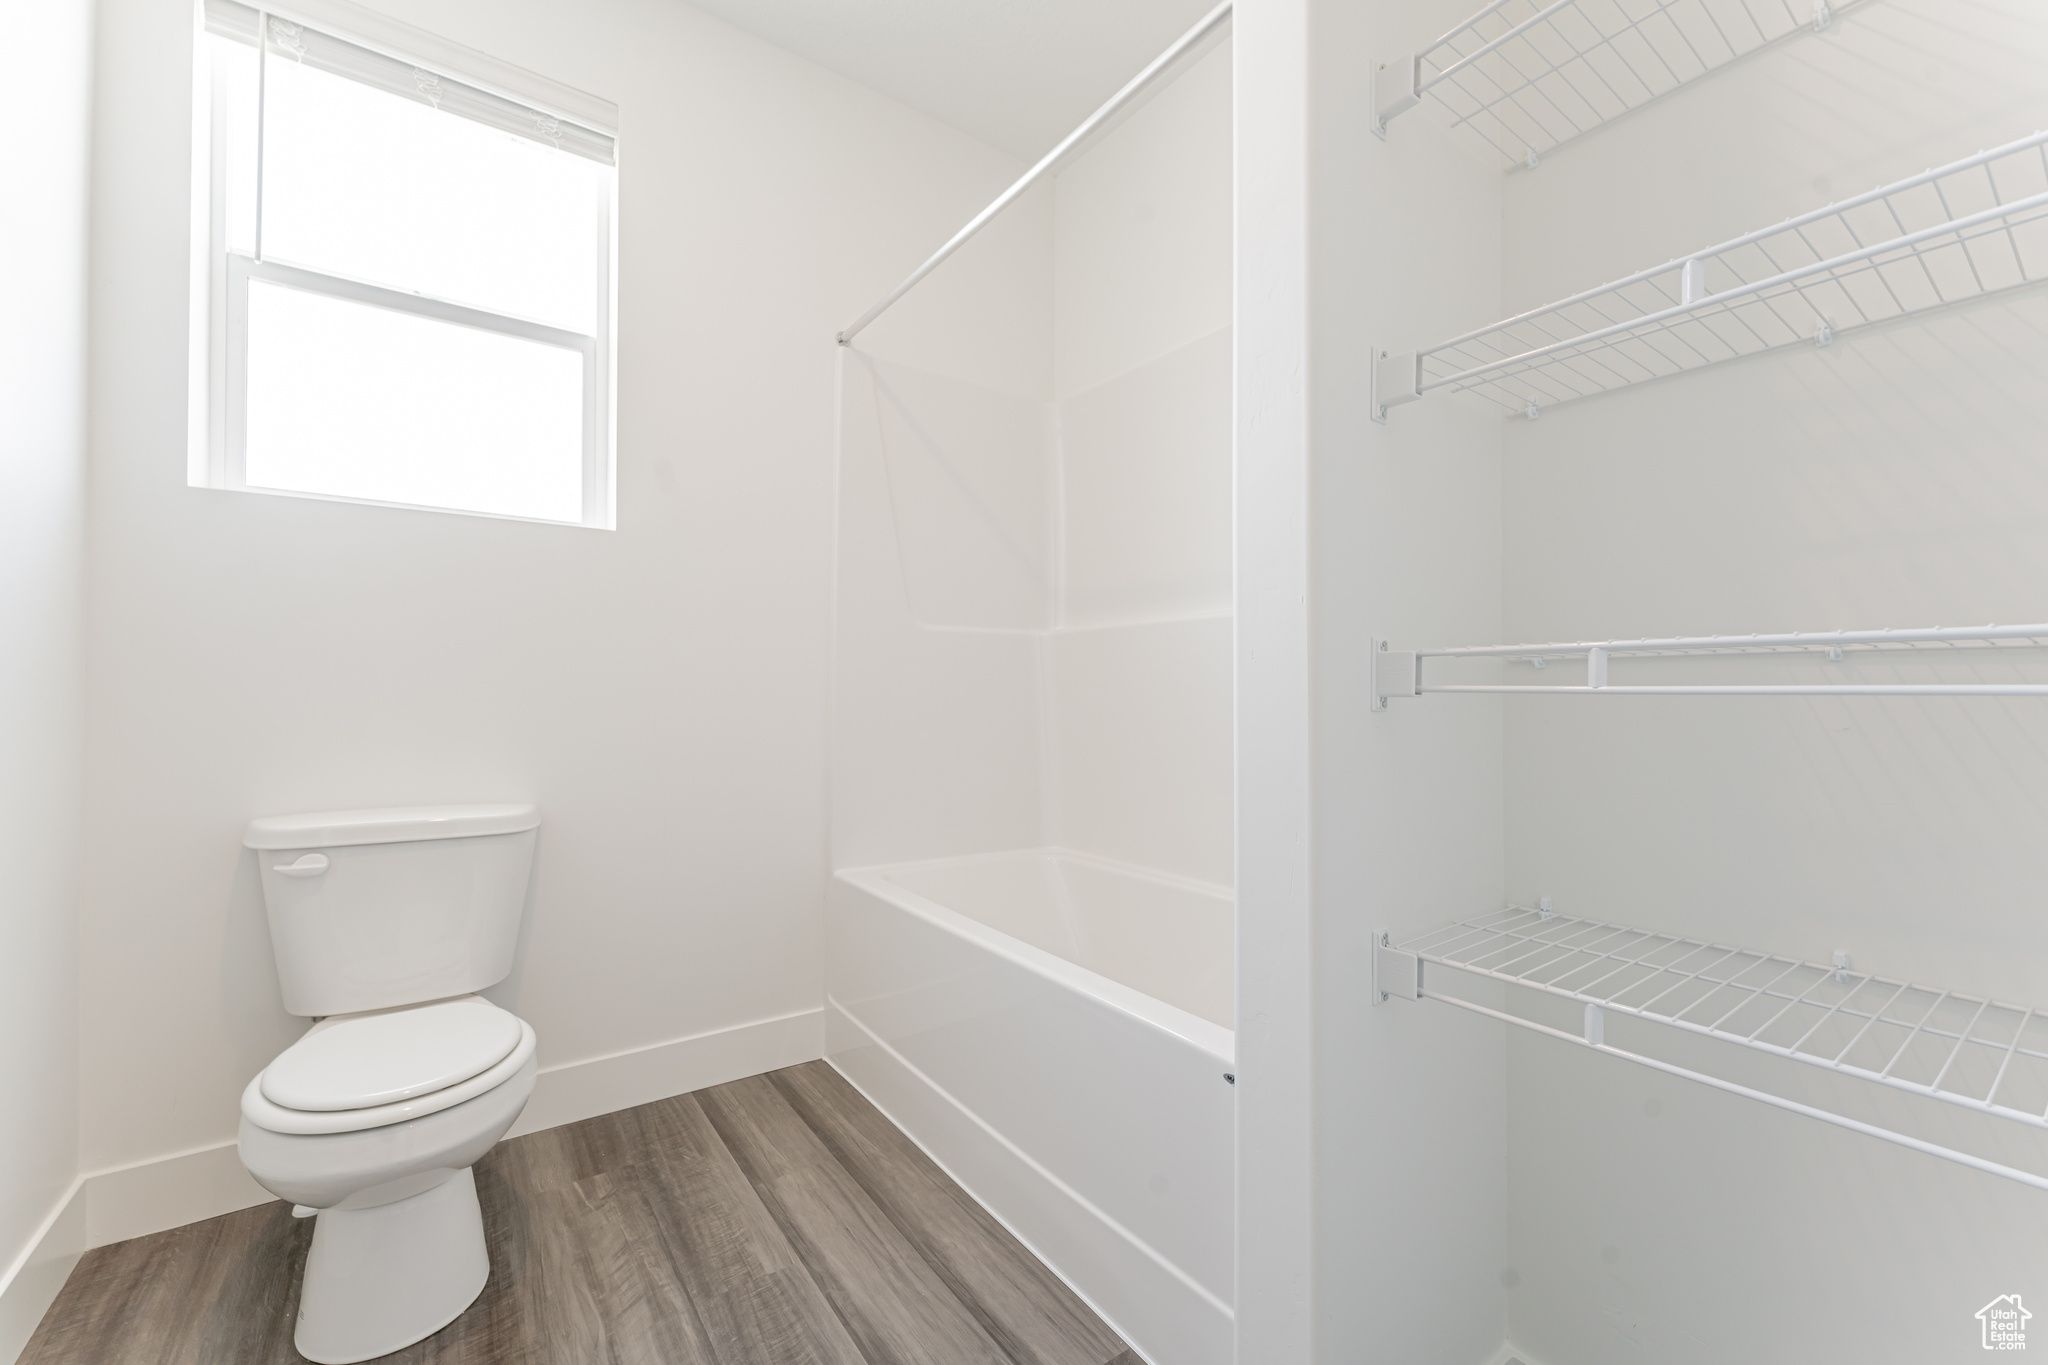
[1055,1030]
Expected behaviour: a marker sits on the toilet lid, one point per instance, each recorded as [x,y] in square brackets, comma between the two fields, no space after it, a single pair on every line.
[357,1061]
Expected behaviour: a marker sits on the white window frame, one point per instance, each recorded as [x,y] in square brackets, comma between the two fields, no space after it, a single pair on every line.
[221,277]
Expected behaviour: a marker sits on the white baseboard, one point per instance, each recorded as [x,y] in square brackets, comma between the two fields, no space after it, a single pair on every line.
[169,1192]
[605,1085]
[114,1205]
[30,1285]
[111,1206]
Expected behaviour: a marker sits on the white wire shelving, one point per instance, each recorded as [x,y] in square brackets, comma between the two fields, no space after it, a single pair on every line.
[1528,76]
[1967,230]
[1400,673]
[1965,1050]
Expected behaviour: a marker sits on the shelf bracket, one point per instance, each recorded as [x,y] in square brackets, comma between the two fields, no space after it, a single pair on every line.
[1396,379]
[1395,673]
[1596,1026]
[1395,975]
[1393,91]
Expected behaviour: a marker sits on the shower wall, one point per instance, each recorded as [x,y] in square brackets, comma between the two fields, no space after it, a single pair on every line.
[1033,609]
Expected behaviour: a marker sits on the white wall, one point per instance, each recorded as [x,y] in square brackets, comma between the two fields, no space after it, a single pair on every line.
[1467,1191]
[46,66]
[658,690]
[1275,955]
[1895,478]
[1410,1125]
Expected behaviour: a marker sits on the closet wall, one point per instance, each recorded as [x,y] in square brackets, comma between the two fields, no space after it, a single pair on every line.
[1478,1196]
[1410,1102]
[1894,478]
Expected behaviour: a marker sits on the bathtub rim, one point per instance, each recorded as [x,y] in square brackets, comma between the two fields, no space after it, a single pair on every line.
[1203,1034]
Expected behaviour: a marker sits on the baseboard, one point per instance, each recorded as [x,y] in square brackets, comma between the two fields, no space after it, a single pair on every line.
[169,1192]
[153,1196]
[30,1285]
[581,1090]
[114,1205]
[1510,1354]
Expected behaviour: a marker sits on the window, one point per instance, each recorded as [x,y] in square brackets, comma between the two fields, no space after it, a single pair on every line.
[405,291]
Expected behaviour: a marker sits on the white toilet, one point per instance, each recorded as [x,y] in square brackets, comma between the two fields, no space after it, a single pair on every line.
[385,923]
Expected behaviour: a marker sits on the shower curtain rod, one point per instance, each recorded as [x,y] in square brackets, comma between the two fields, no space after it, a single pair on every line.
[1210,22]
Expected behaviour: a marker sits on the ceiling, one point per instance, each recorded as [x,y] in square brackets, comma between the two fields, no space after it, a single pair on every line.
[1018,74]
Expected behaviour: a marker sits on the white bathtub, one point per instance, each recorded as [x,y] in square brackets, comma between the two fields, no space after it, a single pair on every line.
[1056,1031]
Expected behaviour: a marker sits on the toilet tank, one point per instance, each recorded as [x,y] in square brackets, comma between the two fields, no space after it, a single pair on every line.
[374,908]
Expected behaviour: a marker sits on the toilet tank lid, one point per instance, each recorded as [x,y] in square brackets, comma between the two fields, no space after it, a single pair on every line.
[389,825]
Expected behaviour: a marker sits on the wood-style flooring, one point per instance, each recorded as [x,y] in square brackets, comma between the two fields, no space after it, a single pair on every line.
[777,1219]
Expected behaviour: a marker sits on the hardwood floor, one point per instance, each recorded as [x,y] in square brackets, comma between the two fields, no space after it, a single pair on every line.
[780,1219]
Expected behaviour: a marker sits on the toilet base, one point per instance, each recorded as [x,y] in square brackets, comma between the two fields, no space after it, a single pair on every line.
[379,1279]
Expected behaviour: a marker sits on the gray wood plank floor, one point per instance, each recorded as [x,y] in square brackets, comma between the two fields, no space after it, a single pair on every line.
[779,1220]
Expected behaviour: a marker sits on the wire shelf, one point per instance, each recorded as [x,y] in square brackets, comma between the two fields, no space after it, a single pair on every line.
[1939,1044]
[1968,230]
[1527,76]
[1401,673]
[1927,640]
[1965,1050]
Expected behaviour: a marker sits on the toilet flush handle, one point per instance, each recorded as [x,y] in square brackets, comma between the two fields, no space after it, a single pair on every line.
[307,865]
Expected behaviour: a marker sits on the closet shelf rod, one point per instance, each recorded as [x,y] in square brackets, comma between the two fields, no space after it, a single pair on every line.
[1137,85]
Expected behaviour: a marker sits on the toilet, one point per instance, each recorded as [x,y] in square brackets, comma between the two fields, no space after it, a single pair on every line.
[386,924]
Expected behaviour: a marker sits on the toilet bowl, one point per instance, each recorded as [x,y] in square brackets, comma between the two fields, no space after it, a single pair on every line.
[385,924]
[398,1243]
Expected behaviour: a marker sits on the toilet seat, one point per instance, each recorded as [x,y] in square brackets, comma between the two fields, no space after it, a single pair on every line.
[354,1058]
[360,1061]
